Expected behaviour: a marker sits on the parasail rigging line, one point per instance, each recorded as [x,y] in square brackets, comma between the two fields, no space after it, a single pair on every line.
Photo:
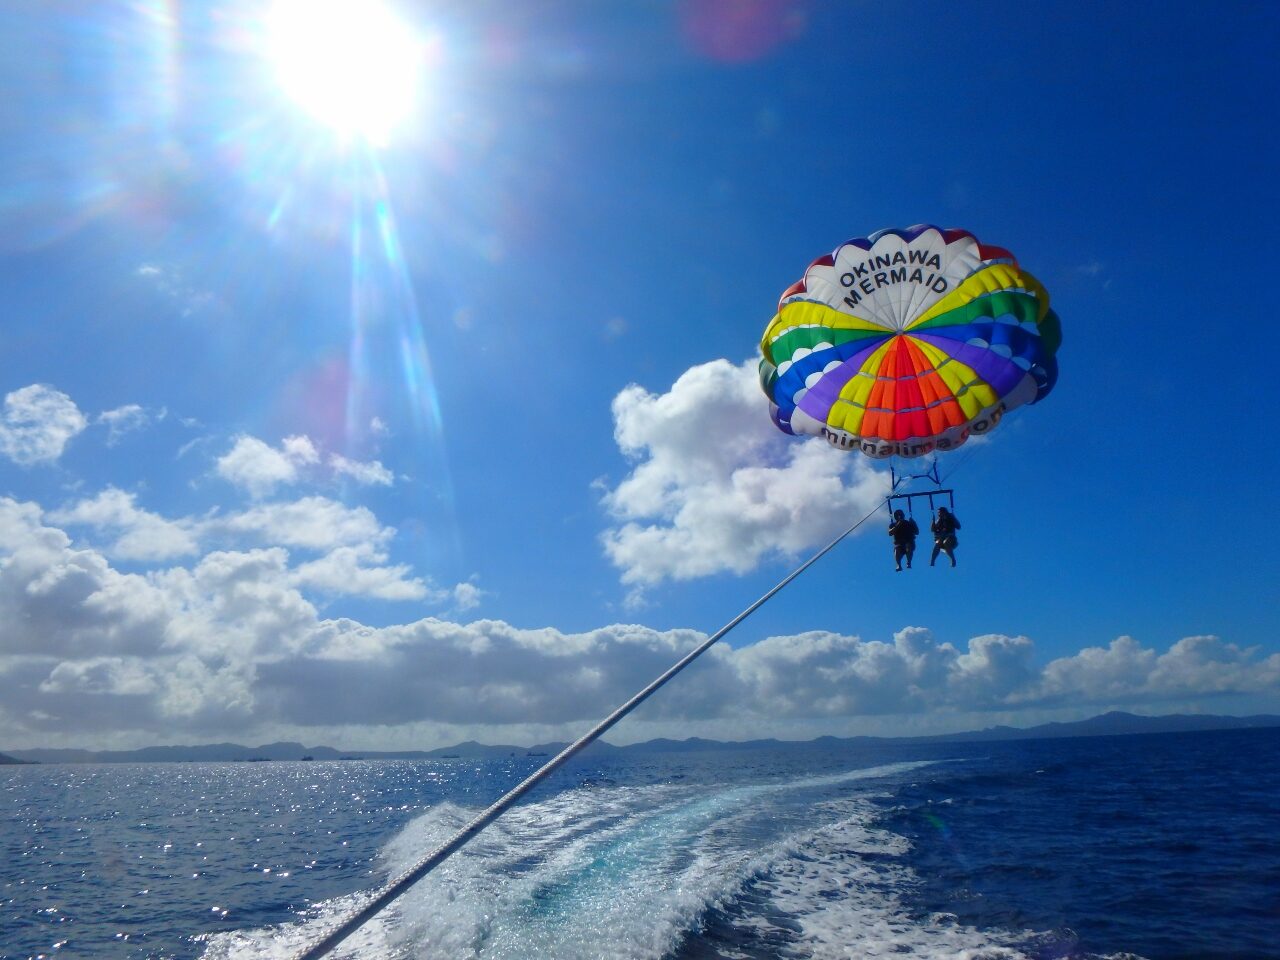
[395,888]
[961,459]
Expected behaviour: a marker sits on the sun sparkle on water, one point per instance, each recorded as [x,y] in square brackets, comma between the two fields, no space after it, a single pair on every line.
[353,65]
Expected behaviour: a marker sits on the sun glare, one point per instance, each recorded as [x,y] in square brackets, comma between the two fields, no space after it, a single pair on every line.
[353,65]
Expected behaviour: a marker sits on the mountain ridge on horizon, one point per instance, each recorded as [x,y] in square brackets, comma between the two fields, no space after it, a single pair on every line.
[1112,723]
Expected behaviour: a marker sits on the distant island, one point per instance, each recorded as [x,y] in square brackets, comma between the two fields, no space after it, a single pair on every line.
[1115,723]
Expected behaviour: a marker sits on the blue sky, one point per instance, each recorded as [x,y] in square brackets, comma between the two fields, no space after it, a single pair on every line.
[453,435]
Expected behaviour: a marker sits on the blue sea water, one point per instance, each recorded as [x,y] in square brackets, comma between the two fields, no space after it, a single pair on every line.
[1165,847]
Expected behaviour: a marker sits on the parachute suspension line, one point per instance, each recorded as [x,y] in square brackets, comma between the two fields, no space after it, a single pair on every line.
[934,476]
[897,479]
[970,448]
[428,863]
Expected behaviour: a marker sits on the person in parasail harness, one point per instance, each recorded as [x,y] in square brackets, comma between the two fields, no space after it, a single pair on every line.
[944,529]
[904,531]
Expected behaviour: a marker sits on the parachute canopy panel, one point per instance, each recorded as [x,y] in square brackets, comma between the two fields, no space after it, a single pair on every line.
[907,342]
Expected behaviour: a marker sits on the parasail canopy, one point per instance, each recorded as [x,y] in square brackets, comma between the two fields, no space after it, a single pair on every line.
[907,342]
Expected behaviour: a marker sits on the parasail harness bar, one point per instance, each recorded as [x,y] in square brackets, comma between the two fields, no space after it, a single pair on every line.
[908,499]
[945,496]
[392,890]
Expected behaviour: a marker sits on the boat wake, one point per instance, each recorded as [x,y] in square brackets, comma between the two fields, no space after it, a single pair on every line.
[785,868]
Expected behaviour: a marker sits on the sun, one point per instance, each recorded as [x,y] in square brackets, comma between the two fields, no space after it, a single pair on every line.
[353,65]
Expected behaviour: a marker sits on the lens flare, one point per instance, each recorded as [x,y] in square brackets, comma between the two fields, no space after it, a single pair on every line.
[388,336]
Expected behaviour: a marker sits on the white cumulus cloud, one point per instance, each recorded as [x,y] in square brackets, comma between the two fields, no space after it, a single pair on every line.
[351,543]
[314,523]
[37,423]
[234,639]
[57,600]
[368,473]
[140,534]
[260,468]
[466,596]
[716,487]
[127,419]
[232,643]
[1125,671]
[362,572]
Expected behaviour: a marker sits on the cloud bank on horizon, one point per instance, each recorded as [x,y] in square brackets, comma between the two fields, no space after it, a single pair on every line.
[135,627]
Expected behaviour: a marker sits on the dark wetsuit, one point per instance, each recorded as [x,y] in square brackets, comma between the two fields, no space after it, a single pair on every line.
[904,533]
[944,529]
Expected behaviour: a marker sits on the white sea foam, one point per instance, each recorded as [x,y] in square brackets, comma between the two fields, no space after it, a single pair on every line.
[619,873]
[844,889]
[283,942]
[628,872]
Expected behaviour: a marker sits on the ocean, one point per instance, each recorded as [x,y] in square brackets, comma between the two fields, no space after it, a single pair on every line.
[1165,847]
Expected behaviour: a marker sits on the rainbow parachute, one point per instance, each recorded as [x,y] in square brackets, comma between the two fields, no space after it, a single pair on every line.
[907,342]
